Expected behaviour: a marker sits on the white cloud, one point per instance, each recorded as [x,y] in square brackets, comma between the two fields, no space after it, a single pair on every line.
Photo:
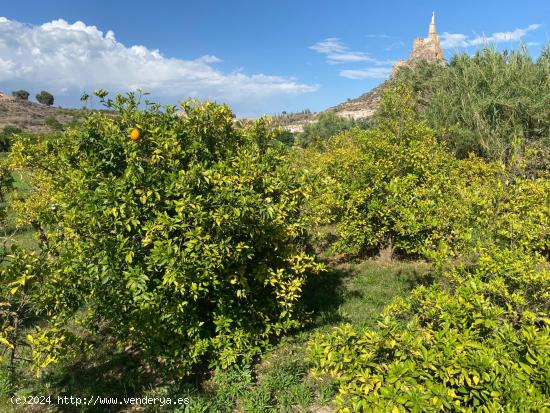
[455,40]
[368,73]
[512,36]
[209,59]
[59,56]
[337,52]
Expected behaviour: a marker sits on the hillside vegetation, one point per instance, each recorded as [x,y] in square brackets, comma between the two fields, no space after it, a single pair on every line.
[399,265]
[495,105]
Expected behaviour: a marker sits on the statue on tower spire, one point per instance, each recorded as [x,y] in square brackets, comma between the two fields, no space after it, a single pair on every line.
[432,31]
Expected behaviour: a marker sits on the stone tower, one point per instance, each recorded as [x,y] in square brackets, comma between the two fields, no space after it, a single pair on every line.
[428,49]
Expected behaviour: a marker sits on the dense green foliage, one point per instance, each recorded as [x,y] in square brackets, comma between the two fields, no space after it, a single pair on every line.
[171,242]
[479,338]
[20,94]
[5,137]
[328,124]
[494,104]
[46,98]
[188,242]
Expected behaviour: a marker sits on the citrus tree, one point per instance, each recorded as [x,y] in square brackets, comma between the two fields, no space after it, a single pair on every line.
[387,187]
[395,187]
[175,233]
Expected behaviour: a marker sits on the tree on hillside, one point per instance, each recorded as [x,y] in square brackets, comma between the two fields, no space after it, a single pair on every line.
[46,98]
[20,94]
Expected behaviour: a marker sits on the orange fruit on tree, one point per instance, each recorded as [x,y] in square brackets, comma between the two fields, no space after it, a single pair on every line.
[135,134]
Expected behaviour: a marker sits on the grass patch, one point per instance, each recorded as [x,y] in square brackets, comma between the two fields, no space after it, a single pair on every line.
[375,283]
[356,293]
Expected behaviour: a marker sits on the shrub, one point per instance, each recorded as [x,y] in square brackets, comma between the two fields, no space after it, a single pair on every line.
[6,136]
[45,98]
[286,137]
[188,242]
[477,341]
[328,124]
[53,123]
[21,94]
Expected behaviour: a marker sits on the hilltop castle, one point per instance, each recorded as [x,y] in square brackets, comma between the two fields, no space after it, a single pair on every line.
[428,49]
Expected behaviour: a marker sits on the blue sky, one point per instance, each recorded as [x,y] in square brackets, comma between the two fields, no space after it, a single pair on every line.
[260,57]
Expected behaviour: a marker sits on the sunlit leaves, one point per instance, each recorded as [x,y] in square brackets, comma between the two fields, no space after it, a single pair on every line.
[455,346]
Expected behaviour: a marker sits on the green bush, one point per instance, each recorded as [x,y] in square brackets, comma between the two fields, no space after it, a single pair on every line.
[20,94]
[328,124]
[479,340]
[5,137]
[187,242]
[46,98]
[53,123]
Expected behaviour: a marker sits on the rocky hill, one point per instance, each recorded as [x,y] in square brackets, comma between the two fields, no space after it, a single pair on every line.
[361,107]
[34,117]
[294,122]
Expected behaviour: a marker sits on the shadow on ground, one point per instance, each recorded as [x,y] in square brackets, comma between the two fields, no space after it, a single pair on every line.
[324,294]
[357,292]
